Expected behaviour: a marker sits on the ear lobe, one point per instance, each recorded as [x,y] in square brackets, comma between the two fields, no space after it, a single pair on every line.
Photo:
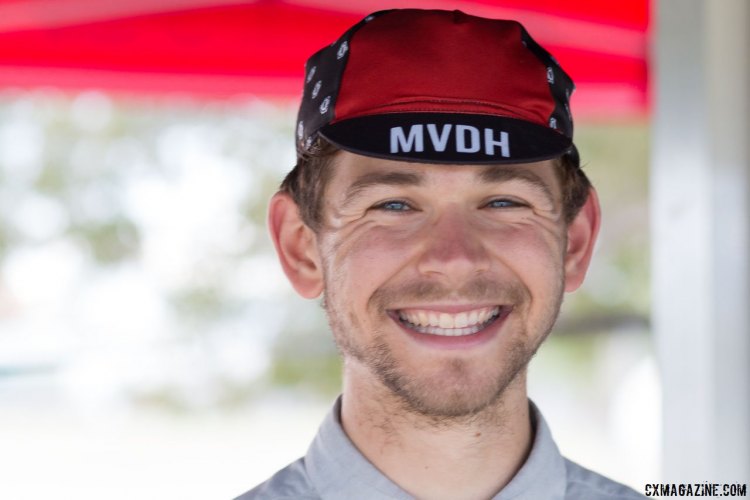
[295,246]
[582,233]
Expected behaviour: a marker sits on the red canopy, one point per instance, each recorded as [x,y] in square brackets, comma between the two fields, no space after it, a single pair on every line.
[215,48]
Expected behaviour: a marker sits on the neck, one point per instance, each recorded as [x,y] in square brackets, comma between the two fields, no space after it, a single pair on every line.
[466,457]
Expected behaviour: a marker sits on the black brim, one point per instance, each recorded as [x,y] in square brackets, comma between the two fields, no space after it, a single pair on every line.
[447,138]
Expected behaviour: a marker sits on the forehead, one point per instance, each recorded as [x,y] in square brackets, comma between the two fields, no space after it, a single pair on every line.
[351,169]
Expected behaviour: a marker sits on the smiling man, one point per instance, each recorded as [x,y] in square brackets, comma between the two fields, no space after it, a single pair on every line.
[438,207]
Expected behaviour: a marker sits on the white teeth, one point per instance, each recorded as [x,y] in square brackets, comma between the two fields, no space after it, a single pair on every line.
[446,320]
[461,320]
[473,317]
[433,319]
[482,316]
[463,323]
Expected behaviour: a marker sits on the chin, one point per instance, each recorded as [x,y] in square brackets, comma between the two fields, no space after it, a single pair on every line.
[456,389]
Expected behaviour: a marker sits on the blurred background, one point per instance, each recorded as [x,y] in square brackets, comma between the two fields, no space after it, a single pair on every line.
[150,346]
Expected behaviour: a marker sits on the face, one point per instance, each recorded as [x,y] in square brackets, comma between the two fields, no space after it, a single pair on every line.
[441,281]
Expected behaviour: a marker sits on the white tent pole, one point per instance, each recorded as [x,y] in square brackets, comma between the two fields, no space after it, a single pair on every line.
[700,201]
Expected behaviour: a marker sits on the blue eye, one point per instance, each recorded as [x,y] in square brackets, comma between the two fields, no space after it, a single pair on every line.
[503,203]
[394,206]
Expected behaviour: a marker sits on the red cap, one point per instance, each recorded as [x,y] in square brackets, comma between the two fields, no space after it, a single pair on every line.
[437,86]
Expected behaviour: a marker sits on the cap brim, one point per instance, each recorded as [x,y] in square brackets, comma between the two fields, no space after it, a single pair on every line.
[447,138]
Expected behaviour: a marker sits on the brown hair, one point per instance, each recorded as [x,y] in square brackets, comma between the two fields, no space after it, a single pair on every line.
[307,181]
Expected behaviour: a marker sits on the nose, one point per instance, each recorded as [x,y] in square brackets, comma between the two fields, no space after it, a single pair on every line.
[454,250]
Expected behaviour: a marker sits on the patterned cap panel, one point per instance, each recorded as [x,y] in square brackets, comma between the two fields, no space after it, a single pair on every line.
[560,84]
[323,73]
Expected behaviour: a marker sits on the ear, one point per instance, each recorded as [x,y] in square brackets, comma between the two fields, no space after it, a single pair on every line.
[296,246]
[582,233]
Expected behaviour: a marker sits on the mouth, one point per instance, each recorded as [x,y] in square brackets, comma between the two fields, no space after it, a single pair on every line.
[445,324]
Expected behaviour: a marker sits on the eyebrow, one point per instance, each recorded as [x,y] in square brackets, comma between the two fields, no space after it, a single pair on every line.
[492,174]
[381,179]
[500,173]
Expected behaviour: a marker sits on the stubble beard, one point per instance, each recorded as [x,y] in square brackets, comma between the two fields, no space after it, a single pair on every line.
[459,395]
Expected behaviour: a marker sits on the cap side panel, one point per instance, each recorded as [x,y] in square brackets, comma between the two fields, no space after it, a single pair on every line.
[561,87]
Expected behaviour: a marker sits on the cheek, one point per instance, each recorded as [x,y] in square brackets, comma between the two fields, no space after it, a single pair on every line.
[533,252]
[363,259]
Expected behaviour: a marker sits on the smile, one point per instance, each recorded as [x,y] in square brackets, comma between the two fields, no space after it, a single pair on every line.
[447,324]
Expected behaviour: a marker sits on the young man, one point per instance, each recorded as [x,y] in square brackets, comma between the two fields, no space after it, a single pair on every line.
[439,208]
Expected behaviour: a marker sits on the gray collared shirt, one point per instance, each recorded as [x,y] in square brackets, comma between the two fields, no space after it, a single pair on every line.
[334,469]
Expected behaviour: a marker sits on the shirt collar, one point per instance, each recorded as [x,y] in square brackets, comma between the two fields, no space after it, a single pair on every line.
[543,474]
[340,472]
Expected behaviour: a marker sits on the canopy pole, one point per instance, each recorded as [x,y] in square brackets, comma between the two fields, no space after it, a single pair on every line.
[700,199]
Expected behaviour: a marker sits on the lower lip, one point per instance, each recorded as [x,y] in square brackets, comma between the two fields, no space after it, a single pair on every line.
[456,342]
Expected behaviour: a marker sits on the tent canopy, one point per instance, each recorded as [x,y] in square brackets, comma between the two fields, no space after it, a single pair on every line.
[214,49]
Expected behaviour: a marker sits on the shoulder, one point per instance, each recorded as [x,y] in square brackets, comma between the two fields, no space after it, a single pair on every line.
[290,483]
[584,483]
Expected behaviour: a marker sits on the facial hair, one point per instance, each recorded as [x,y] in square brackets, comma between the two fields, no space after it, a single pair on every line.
[459,395]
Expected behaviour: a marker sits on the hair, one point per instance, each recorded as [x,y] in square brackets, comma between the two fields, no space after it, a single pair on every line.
[307,181]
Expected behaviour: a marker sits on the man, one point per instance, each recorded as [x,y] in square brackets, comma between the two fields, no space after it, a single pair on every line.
[439,208]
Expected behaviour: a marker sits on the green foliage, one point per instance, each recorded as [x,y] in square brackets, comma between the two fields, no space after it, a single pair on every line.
[320,374]
[109,242]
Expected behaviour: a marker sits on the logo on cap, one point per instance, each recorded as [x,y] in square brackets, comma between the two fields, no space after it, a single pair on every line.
[324,105]
[466,139]
[342,50]
[311,74]
[316,88]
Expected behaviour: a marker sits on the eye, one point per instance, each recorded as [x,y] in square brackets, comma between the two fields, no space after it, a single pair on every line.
[504,203]
[393,206]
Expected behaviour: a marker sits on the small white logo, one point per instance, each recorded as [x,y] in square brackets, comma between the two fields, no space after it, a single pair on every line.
[466,139]
[316,88]
[300,130]
[324,105]
[553,122]
[311,74]
[369,18]
[342,50]
[550,76]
